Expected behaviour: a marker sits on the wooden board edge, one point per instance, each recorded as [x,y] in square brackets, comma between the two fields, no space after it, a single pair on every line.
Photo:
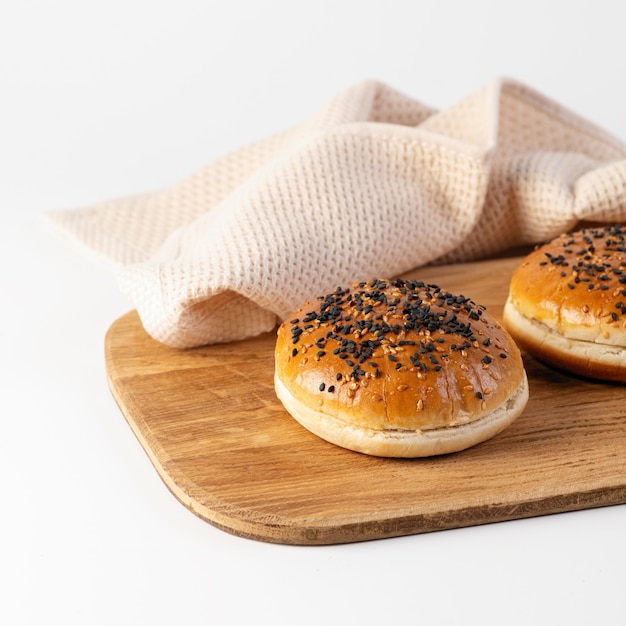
[325,534]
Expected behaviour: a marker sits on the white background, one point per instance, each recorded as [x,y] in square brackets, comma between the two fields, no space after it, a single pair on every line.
[105,99]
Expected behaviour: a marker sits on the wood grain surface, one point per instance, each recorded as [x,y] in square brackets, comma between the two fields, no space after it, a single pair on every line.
[210,422]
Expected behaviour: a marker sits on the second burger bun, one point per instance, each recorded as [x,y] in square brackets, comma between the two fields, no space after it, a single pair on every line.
[567,303]
[399,368]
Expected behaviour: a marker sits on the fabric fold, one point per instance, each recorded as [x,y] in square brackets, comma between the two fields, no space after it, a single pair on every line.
[373,184]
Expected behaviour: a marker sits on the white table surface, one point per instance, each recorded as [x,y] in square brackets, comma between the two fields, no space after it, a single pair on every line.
[99,100]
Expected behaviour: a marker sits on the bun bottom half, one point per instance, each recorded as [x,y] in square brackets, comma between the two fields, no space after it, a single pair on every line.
[590,359]
[405,443]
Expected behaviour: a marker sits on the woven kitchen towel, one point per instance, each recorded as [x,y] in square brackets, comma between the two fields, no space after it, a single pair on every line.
[373,185]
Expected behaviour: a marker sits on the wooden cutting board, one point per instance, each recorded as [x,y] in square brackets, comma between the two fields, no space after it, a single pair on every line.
[210,423]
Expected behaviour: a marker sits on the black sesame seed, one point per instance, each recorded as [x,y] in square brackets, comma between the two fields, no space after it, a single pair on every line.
[322,387]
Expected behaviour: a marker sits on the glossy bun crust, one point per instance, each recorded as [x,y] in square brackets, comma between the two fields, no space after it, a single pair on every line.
[398,368]
[567,303]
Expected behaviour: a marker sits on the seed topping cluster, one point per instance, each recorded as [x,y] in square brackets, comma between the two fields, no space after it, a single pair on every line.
[409,324]
[593,259]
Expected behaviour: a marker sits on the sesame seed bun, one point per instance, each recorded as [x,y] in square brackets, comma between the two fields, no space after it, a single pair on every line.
[567,303]
[398,368]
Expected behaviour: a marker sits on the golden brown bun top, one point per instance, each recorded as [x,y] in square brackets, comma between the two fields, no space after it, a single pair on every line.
[576,284]
[397,354]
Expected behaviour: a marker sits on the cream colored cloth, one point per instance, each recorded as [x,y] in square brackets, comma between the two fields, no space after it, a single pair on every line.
[373,185]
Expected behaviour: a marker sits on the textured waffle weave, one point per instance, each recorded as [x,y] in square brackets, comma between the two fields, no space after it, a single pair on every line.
[373,185]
